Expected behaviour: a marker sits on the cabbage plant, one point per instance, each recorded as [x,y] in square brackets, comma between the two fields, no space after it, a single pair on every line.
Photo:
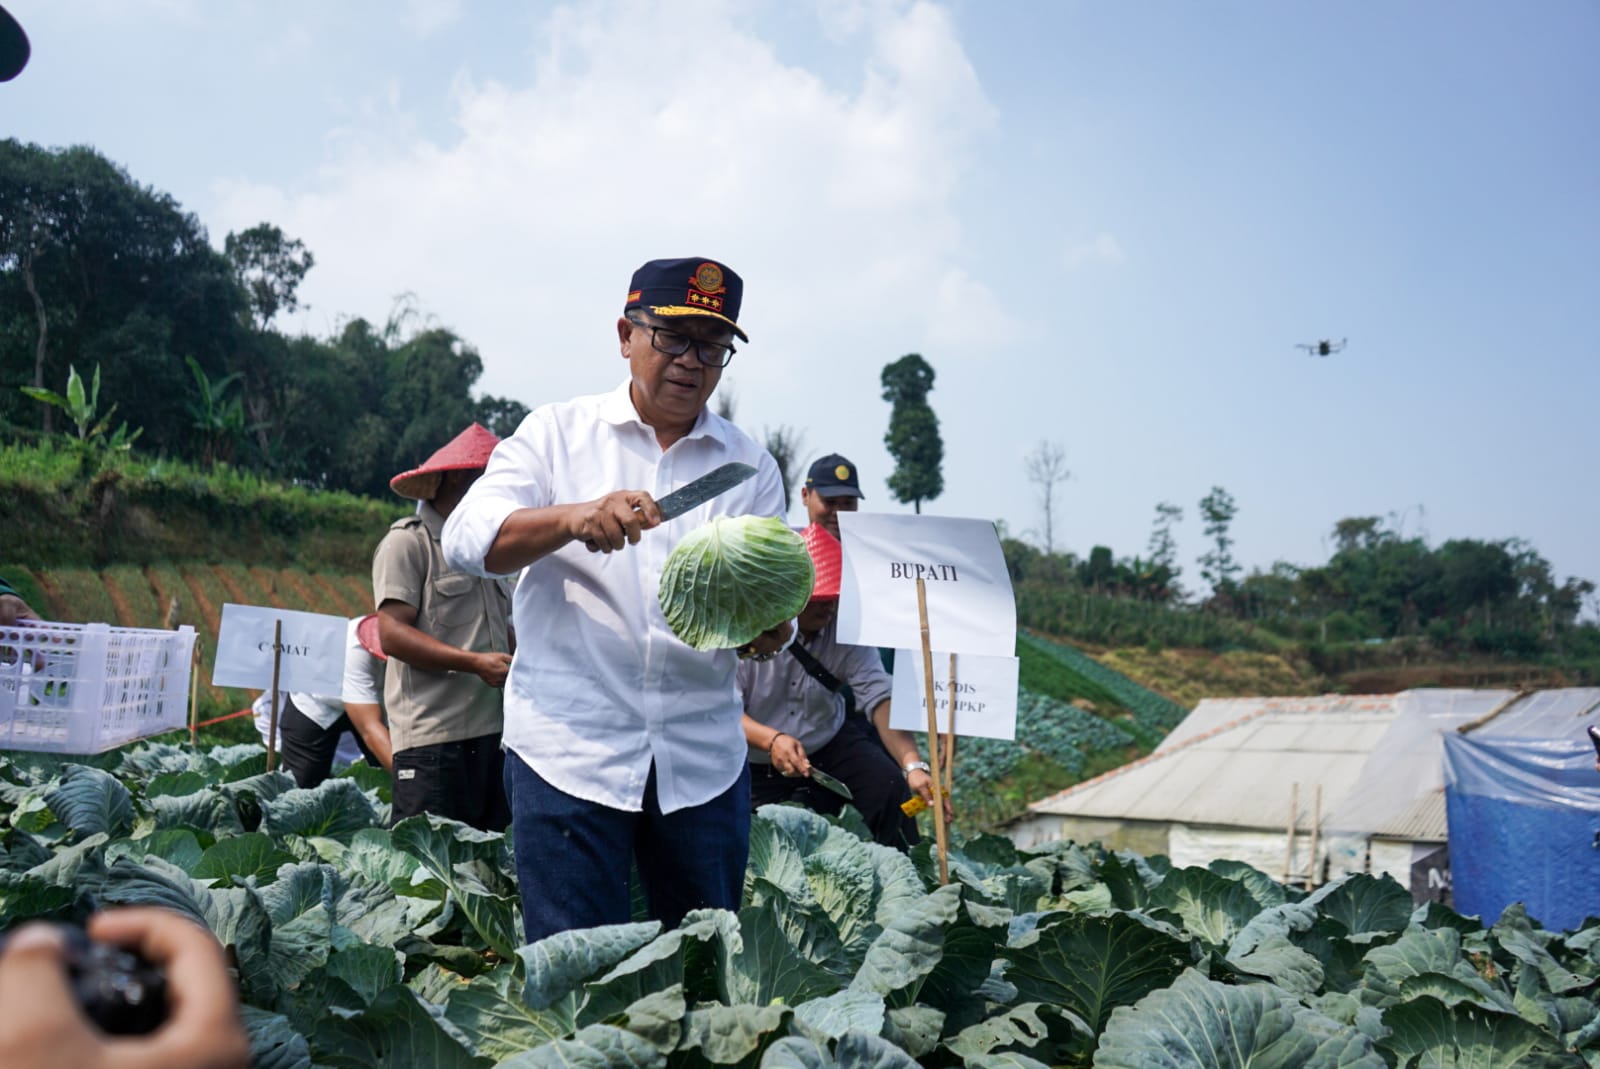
[734,578]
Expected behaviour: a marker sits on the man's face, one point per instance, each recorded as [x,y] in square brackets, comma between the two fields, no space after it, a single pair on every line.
[818,613]
[823,511]
[670,391]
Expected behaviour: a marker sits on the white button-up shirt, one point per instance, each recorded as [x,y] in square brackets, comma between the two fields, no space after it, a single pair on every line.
[781,694]
[600,687]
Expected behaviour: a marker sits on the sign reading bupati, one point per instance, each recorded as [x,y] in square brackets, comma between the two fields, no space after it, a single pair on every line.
[984,696]
[970,605]
[310,653]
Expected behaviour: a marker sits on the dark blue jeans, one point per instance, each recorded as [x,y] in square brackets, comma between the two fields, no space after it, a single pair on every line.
[573,857]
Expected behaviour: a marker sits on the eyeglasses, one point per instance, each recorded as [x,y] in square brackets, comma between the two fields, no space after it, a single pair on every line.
[669,341]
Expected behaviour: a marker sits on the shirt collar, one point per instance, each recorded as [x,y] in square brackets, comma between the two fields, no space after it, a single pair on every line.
[432,520]
[616,408]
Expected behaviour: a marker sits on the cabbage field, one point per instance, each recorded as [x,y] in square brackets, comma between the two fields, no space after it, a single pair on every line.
[357,945]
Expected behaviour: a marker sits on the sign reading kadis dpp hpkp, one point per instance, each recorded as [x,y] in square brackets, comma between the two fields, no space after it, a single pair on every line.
[971,611]
[983,694]
[310,651]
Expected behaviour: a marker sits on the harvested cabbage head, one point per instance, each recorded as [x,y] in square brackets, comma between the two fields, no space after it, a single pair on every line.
[732,579]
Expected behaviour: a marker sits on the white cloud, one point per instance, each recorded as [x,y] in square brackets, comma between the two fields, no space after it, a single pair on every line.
[669,137]
[424,17]
[1102,249]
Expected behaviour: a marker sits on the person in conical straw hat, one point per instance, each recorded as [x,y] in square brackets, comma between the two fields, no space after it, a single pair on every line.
[447,637]
[822,705]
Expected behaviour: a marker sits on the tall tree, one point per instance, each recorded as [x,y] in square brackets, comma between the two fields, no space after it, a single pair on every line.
[271,267]
[96,269]
[913,437]
[1217,565]
[1163,547]
[1046,468]
[1162,569]
[785,444]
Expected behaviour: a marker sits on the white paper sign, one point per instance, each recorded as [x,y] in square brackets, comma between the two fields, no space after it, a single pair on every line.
[312,660]
[970,605]
[986,694]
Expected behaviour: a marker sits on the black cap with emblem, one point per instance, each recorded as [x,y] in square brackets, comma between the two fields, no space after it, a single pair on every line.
[694,286]
[834,476]
[14,49]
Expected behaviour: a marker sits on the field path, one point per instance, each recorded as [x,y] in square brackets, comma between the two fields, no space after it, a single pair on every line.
[54,607]
[237,592]
[126,616]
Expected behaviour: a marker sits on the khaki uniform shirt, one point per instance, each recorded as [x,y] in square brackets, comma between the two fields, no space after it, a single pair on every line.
[425,707]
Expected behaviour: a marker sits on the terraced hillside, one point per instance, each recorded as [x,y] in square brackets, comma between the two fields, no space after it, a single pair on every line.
[168,595]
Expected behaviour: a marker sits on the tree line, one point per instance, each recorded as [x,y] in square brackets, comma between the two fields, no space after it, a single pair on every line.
[100,272]
[1378,584]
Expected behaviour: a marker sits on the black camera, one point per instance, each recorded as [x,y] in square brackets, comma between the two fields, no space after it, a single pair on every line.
[118,990]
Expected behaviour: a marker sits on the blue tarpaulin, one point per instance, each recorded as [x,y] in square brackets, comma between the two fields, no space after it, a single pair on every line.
[1524,818]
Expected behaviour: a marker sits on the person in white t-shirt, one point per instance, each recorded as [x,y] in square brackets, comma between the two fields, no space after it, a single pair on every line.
[318,733]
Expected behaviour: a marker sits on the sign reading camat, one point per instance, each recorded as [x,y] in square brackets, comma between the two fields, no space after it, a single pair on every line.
[310,651]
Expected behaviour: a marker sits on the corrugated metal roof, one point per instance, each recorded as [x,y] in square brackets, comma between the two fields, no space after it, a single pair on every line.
[1422,821]
[1545,714]
[1213,714]
[1241,774]
[1233,762]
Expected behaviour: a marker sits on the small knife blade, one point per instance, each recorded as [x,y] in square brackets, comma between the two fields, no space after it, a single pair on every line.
[822,779]
[703,489]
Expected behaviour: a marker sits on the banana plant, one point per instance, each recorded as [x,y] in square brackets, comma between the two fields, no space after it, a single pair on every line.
[81,406]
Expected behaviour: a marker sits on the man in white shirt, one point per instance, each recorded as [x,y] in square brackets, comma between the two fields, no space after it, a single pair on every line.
[623,744]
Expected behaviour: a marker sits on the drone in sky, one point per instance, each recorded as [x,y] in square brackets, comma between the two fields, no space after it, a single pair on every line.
[1323,347]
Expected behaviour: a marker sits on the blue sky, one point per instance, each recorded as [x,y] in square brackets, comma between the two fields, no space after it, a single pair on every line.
[1104,225]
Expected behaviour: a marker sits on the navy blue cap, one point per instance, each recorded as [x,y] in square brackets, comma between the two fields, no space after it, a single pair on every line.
[13,47]
[693,286]
[834,476]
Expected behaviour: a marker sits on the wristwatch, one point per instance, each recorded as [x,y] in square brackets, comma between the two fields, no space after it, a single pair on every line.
[917,766]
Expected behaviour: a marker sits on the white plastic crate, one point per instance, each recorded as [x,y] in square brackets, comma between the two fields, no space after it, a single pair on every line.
[87,688]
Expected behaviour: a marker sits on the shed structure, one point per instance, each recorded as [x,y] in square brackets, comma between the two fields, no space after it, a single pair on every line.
[1304,789]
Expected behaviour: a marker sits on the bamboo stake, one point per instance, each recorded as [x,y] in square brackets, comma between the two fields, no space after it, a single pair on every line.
[1316,824]
[933,735]
[272,726]
[194,695]
[1288,850]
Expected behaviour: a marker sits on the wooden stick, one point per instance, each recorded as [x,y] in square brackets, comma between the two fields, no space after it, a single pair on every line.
[950,735]
[1316,819]
[272,724]
[1288,850]
[933,735]
[194,694]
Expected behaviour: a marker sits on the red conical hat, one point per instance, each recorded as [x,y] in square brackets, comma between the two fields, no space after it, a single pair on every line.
[367,635]
[828,557]
[467,450]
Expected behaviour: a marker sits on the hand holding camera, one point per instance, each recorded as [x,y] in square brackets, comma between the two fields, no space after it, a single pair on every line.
[139,989]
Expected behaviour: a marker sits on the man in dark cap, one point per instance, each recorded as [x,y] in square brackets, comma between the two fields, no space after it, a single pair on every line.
[623,743]
[832,486]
